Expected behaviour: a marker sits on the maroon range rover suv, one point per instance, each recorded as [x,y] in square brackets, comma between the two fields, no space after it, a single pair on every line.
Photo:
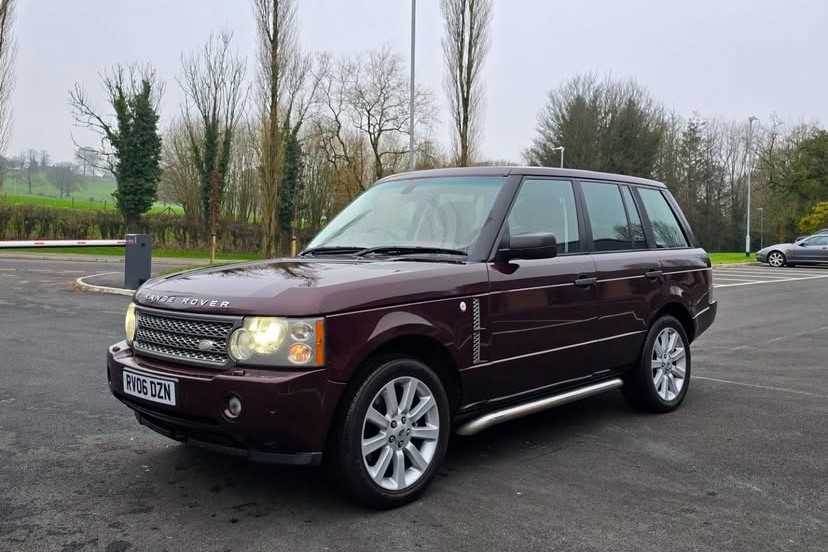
[437,302]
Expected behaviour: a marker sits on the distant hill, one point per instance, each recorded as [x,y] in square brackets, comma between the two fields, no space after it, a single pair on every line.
[94,192]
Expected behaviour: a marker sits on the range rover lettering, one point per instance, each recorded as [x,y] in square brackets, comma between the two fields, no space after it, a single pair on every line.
[438,302]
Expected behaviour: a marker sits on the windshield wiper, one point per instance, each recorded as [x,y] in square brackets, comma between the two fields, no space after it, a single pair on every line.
[408,250]
[332,250]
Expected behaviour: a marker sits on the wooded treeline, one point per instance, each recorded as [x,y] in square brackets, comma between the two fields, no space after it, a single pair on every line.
[617,126]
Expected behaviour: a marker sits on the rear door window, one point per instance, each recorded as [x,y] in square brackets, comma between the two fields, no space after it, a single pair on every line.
[547,206]
[636,228]
[611,231]
[666,227]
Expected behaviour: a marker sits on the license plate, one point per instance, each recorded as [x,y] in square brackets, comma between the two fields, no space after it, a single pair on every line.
[155,389]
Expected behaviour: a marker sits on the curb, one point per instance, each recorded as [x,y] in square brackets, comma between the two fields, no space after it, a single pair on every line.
[81,285]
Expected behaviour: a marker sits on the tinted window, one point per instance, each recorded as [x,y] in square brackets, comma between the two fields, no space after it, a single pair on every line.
[819,240]
[547,206]
[666,227]
[636,228]
[607,216]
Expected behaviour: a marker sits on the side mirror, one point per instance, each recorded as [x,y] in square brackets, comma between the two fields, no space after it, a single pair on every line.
[530,246]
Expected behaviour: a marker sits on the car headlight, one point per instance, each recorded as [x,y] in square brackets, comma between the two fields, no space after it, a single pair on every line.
[130,323]
[279,342]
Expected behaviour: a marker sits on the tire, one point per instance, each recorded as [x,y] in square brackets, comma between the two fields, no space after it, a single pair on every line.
[640,386]
[776,259]
[391,437]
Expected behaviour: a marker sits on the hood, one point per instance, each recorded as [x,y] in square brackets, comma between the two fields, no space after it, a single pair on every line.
[310,287]
[778,246]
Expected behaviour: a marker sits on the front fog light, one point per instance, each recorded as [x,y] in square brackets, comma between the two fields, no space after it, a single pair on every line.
[300,353]
[234,407]
[130,323]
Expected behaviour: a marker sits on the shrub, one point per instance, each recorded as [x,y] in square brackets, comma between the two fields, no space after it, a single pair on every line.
[34,222]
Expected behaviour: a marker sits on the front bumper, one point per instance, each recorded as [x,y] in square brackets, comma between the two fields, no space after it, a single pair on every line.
[285,415]
[762,257]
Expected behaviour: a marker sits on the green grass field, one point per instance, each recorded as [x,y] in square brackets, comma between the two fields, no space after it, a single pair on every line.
[731,258]
[73,203]
[95,193]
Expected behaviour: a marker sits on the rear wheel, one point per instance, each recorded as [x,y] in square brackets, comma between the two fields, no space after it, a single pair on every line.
[776,259]
[660,381]
[393,435]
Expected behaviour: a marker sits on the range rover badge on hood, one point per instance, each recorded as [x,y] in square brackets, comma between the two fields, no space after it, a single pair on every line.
[188,301]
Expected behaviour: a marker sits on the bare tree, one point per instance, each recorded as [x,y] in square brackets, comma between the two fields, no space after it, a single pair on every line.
[343,147]
[213,83]
[241,202]
[465,45]
[7,57]
[64,177]
[180,180]
[379,104]
[275,21]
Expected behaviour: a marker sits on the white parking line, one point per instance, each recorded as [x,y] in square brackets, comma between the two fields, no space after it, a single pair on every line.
[768,271]
[770,281]
[757,386]
[754,275]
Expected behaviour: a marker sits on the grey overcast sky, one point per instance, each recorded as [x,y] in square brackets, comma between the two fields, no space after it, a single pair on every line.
[728,58]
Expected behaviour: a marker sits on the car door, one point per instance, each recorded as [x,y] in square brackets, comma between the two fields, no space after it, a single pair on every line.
[820,249]
[805,251]
[540,310]
[630,277]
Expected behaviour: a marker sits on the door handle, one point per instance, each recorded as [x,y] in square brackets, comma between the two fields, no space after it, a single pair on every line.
[653,274]
[585,282]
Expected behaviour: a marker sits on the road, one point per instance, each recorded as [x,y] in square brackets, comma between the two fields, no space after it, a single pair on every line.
[740,467]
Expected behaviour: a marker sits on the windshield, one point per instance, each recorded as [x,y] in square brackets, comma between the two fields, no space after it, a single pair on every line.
[445,213]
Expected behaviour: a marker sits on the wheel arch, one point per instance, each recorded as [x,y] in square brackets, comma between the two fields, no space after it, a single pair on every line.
[425,348]
[682,314]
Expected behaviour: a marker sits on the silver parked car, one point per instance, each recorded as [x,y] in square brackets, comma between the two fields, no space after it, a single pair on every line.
[808,250]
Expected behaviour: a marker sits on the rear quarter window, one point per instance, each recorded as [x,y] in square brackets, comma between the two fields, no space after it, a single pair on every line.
[666,228]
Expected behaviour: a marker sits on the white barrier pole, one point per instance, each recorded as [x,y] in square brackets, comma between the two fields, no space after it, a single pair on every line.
[62,243]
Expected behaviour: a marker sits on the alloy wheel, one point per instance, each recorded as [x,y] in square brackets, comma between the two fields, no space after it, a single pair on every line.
[776,259]
[668,363]
[400,433]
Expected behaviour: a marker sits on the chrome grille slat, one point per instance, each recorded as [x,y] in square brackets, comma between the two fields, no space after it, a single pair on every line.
[176,341]
[177,336]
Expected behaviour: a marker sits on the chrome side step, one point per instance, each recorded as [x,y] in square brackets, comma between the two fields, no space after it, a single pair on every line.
[499,416]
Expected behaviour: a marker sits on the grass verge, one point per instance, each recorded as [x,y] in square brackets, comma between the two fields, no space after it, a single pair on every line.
[731,258]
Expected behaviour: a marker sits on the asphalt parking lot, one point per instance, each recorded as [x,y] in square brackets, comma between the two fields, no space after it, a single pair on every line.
[741,466]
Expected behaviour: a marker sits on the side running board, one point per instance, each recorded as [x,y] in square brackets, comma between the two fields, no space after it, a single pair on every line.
[513,412]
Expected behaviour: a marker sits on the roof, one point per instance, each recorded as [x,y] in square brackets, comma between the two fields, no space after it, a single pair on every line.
[524,171]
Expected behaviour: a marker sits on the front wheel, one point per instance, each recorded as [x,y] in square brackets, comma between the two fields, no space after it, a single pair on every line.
[776,259]
[393,435]
[660,381]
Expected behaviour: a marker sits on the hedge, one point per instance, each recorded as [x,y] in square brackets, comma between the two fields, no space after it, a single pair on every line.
[36,222]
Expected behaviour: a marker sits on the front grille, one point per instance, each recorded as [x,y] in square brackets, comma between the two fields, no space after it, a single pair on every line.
[176,337]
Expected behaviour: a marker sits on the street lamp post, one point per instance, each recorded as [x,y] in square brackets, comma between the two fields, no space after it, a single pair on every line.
[412,162]
[749,171]
[560,149]
[762,228]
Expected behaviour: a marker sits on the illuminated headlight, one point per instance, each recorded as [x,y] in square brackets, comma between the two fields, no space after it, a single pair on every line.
[130,323]
[279,342]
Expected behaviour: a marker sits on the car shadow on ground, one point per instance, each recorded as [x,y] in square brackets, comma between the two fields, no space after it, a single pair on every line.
[234,489]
